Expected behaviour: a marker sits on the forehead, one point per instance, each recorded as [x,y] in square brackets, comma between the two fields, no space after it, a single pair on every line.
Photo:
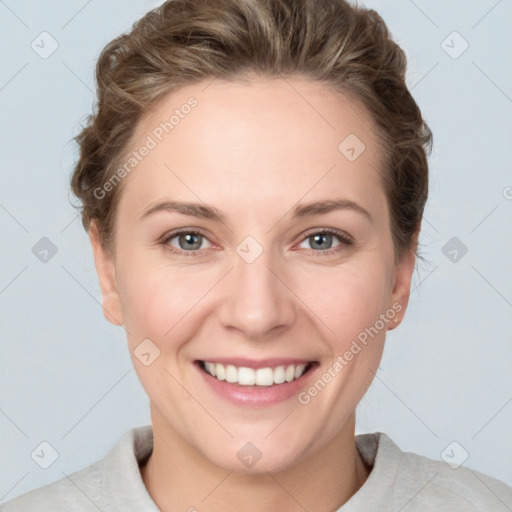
[265,139]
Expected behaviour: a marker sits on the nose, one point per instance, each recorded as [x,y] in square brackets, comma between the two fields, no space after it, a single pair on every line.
[258,303]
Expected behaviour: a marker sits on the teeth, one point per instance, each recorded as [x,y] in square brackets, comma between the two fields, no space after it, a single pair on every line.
[246,376]
[279,377]
[231,373]
[220,372]
[250,377]
[211,368]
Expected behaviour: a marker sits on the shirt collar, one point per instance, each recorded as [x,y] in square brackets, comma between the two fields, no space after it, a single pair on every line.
[124,489]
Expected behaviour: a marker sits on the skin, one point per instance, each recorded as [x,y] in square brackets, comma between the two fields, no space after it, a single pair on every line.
[253,150]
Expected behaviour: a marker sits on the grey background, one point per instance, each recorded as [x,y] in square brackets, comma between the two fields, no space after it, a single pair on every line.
[66,376]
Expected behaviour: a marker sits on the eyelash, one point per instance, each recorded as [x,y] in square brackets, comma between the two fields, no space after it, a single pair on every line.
[345,240]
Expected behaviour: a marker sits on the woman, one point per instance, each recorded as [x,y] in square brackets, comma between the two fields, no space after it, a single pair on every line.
[253,183]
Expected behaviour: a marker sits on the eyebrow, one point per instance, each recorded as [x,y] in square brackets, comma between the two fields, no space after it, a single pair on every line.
[211,213]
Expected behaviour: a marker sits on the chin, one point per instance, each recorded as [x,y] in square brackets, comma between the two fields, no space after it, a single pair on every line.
[266,463]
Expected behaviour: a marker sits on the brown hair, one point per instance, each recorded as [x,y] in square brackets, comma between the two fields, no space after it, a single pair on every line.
[184,41]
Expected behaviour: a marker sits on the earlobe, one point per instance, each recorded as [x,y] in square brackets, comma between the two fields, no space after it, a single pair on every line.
[106,275]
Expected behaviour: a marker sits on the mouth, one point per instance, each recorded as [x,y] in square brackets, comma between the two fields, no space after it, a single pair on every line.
[259,377]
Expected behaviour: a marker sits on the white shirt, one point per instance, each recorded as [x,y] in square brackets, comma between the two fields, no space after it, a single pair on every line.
[399,481]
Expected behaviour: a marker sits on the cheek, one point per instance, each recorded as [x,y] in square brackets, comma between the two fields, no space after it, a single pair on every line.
[347,299]
[158,304]
[158,301]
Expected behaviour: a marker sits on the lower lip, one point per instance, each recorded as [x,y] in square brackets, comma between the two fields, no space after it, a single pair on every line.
[256,396]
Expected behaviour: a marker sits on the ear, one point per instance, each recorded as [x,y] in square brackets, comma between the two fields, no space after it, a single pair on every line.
[402,283]
[106,276]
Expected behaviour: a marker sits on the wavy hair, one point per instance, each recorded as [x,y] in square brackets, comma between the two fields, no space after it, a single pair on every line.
[347,47]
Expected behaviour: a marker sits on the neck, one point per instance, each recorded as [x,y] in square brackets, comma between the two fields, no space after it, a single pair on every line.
[179,478]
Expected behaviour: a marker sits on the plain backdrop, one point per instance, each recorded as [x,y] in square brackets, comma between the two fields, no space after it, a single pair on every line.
[445,382]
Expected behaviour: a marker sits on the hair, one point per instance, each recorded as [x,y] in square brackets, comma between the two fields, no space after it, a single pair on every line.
[344,46]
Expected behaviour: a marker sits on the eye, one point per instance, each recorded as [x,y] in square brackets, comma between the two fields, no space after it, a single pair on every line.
[321,240]
[188,242]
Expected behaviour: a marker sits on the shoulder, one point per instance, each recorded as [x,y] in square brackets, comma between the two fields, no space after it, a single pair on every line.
[80,491]
[428,484]
[112,483]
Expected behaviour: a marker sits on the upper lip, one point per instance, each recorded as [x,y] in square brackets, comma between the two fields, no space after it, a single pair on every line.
[261,363]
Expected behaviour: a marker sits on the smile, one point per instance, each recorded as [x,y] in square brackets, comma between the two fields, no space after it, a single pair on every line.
[267,376]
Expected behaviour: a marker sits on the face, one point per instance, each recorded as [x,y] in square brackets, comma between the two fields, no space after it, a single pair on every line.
[246,276]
